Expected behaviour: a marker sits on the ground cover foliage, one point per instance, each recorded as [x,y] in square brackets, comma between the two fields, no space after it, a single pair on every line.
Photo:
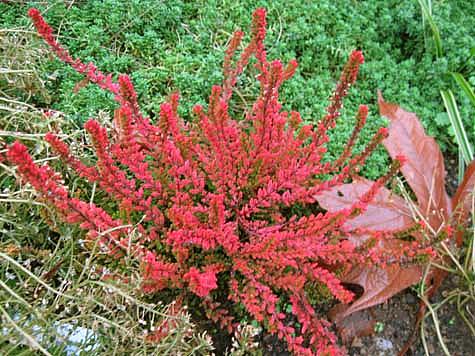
[174,46]
[112,47]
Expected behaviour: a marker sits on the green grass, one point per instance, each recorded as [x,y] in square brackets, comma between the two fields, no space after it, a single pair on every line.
[169,46]
[465,152]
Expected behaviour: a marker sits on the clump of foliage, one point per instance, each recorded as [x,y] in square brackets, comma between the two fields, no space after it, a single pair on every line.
[221,209]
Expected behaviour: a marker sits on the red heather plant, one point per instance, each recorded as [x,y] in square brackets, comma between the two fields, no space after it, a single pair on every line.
[222,207]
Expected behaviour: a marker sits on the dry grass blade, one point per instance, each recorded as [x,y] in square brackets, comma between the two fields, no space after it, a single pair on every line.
[30,339]
[427,16]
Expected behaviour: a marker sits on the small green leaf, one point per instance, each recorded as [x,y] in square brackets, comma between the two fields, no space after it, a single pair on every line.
[379,327]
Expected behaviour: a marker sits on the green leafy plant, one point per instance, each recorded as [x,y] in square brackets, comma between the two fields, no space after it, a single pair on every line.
[464,145]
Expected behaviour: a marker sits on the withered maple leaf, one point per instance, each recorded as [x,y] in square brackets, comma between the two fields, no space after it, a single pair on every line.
[425,173]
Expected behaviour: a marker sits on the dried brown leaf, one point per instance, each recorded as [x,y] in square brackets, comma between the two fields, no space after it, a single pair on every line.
[424,169]
[466,191]
[379,284]
[425,173]
[387,211]
[462,201]
[358,324]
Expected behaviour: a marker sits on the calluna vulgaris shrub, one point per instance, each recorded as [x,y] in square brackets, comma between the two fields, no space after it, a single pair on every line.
[221,206]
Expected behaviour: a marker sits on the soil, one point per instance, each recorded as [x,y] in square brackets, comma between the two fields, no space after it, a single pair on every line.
[396,319]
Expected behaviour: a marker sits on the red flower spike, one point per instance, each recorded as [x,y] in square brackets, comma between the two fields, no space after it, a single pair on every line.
[201,283]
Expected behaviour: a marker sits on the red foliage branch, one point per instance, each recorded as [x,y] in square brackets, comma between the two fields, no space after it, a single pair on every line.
[224,188]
